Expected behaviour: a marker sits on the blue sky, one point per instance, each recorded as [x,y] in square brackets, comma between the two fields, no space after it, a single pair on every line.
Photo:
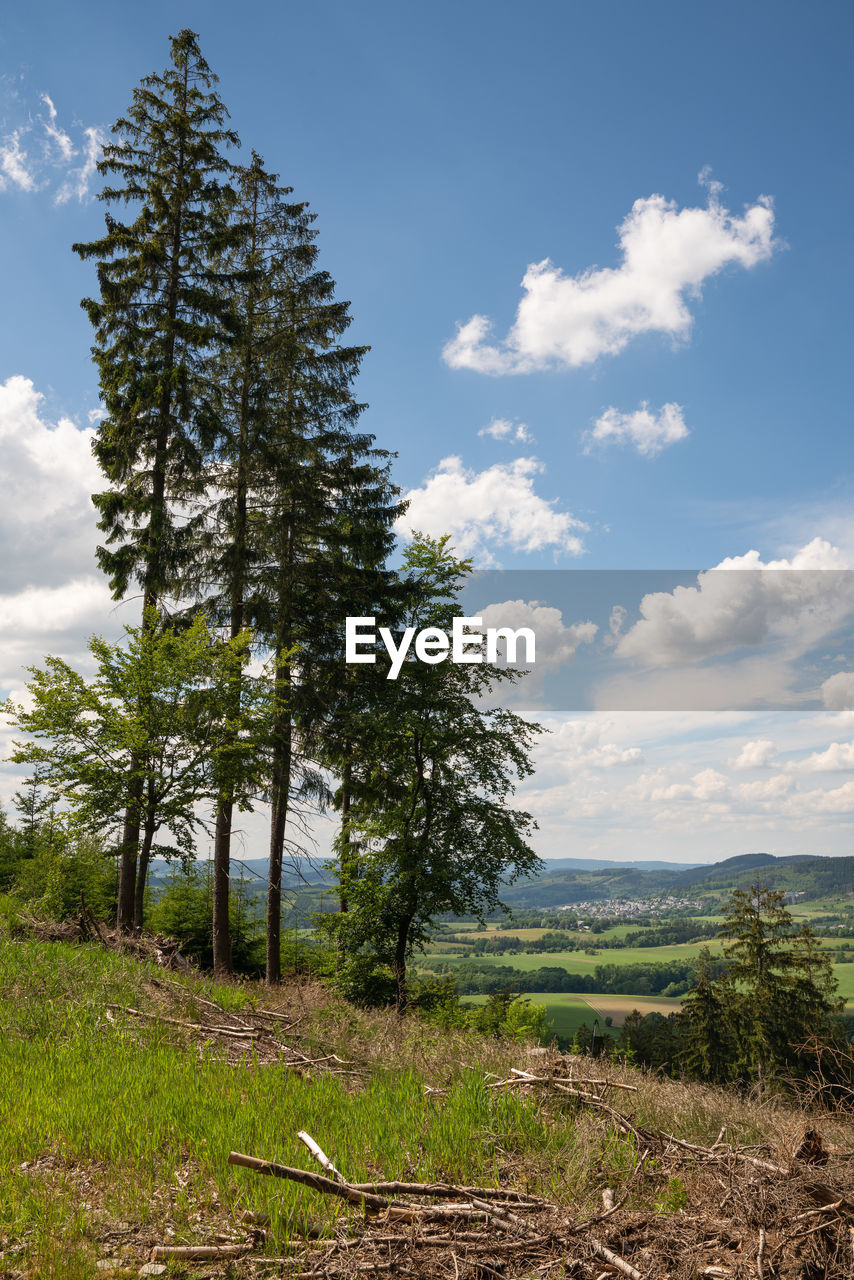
[672,391]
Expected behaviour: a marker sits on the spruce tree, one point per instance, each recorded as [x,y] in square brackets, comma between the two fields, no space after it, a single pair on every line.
[304,503]
[327,519]
[161,315]
[777,995]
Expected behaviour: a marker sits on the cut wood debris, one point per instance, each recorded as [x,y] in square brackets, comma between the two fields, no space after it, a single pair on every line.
[784,1222]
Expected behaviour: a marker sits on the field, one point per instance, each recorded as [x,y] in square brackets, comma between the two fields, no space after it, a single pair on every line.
[581,962]
[566,1012]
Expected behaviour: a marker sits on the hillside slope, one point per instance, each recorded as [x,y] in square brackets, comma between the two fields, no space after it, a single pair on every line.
[124,1087]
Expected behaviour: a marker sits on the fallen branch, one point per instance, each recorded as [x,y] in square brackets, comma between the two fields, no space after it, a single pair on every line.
[320,1156]
[603,1252]
[198,1252]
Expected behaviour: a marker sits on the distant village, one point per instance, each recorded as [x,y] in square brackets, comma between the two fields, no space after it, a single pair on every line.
[631,908]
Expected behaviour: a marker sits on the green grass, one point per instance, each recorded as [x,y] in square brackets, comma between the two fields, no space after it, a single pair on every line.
[115,1130]
[105,1121]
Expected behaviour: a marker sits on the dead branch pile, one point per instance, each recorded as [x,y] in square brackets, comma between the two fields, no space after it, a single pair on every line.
[85,927]
[746,1212]
[260,1034]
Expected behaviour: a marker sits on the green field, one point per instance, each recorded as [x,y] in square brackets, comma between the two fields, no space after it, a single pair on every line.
[566,1012]
[580,962]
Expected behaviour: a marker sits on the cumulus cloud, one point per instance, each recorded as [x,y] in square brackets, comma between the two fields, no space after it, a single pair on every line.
[647,431]
[837,693]
[573,747]
[837,801]
[667,254]
[757,754]
[507,429]
[51,157]
[486,510]
[837,758]
[47,520]
[730,609]
[556,643]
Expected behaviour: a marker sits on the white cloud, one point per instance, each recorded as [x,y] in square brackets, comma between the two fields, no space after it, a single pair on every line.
[486,510]
[15,164]
[56,136]
[649,432]
[507,429]
[729,609]
[57,158]
[837,693]
[837,758]
[757,754]
[47,520]
[556,644]
[667,255]
[77,184]
[809,804]
[573,747]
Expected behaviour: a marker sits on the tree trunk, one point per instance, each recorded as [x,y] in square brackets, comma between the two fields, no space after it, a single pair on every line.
[222,958]
[280,798]
[129,849]
[221,924]
[144,855]
[346,859]
[398,966]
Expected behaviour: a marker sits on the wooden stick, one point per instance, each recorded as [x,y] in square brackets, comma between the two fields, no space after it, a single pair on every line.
[614,1259]
[320,1156]
[314,1180]
[188,1026]
[198,1253]
[825,1208]
[444,1190]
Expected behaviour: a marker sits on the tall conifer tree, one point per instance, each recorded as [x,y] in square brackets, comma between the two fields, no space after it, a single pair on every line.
[161,314]
[304,503]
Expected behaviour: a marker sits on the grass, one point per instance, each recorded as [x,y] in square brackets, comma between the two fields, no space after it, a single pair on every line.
[114,1133]
[107,1121]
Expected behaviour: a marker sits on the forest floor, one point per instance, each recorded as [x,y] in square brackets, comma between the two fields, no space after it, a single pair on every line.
[127,1089]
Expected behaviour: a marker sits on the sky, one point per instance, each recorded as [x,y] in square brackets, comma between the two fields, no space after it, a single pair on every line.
[599,254]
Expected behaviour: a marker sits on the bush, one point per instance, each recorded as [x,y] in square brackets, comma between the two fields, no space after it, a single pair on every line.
[60,869]
[183,910]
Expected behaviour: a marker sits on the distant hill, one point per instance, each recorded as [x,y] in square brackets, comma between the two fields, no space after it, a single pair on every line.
[565,881]
[800,873]
[604,864]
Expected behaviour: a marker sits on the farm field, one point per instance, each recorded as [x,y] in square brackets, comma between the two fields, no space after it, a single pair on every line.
[566,1012]
[580,962]
[619,1007]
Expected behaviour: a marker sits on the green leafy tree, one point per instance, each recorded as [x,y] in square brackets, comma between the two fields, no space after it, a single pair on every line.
[162,313]
[436,825]
[158,712]
[182,908]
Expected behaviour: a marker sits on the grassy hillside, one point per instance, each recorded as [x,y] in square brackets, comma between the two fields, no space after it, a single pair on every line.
[120,1102]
